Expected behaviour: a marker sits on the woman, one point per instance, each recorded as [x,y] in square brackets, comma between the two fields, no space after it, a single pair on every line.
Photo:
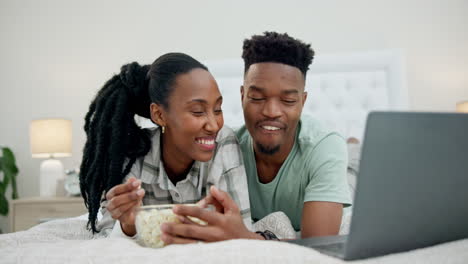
[175,163]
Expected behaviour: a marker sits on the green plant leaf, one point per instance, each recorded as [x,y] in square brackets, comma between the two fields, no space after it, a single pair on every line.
[2,186]
[9,162]
[6,180]
[8,155]
[10,171]
[3,205]
[2,182]
[14,193]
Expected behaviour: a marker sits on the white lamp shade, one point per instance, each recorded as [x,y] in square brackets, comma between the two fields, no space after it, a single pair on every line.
[51,138]
[462,107]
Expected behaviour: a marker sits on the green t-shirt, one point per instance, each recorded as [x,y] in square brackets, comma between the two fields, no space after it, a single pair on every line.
[315,170]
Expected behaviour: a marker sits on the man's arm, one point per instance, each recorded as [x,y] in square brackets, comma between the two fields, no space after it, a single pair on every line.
[321,219]
[327,191]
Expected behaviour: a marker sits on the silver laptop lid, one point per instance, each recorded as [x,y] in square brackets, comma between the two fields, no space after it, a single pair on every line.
[412,188]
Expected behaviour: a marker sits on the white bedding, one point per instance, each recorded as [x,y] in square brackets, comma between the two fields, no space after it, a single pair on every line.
[67,241]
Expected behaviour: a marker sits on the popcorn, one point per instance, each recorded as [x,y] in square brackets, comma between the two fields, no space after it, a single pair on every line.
[148,221]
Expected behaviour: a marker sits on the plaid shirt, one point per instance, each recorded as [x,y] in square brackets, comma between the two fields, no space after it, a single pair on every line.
[225,170]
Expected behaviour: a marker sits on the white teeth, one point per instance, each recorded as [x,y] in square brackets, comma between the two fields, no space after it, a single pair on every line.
[270,128]
[205,141]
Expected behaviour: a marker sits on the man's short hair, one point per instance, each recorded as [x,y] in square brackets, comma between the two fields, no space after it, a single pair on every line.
[280,48]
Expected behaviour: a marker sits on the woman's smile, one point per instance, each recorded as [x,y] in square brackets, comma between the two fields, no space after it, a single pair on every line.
[206,143]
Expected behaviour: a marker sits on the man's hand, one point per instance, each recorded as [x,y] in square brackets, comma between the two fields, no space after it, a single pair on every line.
[122,200]
[223,224]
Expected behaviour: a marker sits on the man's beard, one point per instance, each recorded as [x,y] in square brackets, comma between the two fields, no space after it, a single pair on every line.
[267,150]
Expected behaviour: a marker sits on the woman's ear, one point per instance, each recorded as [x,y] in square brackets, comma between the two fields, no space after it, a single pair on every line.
[157,114]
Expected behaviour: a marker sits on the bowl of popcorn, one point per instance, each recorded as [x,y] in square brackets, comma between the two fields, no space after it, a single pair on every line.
[148,223]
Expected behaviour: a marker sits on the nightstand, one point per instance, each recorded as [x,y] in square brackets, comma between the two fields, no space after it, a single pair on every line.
[29,212]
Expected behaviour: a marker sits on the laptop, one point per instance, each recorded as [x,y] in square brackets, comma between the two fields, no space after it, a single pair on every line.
[412,186]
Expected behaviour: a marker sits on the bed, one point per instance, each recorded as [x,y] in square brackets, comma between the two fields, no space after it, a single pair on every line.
[342,88]
[66,241]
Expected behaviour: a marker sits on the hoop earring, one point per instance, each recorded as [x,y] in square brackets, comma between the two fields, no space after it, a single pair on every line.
[163,129]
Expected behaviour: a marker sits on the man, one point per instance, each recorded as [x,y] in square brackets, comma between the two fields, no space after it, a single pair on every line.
[293,164]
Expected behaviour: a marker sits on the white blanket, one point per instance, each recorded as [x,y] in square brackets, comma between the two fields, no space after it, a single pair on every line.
[67,241]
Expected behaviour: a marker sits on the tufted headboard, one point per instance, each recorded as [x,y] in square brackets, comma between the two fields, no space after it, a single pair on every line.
[342,88]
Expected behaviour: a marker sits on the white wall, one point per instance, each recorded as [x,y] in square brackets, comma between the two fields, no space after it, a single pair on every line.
[56,54]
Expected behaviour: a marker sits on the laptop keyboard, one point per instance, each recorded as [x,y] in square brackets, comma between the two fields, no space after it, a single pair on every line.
[335,247]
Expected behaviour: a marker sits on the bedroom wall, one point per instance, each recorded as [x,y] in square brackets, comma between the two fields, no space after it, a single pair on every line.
[56,54]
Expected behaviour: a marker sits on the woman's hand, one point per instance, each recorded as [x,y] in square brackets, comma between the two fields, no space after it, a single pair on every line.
[223,224]
[121,202]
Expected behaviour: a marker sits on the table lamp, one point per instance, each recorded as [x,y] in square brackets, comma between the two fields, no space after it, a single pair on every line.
[462,107]
[51,139]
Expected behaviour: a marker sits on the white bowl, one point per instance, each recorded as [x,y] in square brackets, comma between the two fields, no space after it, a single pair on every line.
[148,223]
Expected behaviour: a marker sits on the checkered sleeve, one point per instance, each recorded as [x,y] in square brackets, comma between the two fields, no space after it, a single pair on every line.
[106,223]
[228,172]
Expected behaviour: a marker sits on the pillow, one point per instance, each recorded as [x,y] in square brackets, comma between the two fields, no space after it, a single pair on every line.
[354,156]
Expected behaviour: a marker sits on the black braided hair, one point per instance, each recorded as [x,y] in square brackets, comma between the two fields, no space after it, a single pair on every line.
[276,47]
[112,133]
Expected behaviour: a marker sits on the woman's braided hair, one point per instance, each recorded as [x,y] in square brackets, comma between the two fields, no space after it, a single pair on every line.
[113,137]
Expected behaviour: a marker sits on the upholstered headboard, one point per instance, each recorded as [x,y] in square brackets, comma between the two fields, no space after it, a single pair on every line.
[342,88]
